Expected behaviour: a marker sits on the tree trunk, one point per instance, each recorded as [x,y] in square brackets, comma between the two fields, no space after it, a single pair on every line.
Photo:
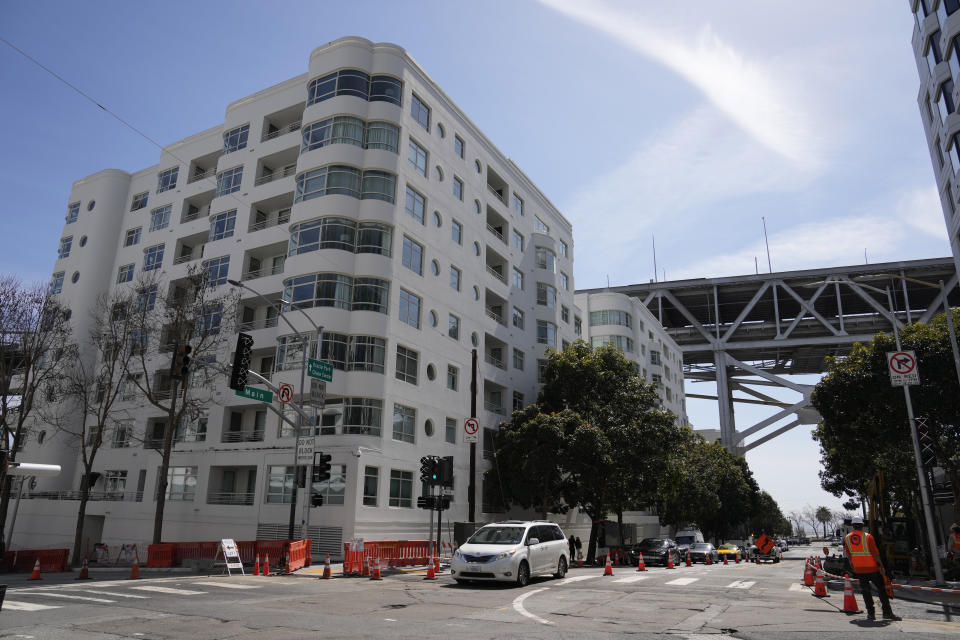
[76,557]
[165,466]
[4,506]
[594,534]
[620,527]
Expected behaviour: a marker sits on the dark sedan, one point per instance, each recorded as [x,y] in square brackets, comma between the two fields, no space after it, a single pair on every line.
[700,550]
[655,551]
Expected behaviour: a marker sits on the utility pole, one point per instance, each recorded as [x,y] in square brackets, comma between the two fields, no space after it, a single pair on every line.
[472,491]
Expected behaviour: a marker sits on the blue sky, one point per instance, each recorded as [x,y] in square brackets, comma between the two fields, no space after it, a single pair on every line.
[688,121]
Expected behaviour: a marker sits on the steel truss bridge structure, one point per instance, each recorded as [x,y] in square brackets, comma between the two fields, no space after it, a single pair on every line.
[746,333]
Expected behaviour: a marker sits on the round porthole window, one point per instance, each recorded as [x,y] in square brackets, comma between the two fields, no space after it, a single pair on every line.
[441,130]
[83,241]
[76,276]
[476,163]
[437,220]
[475,339]
[438,172]
[91,205]
[428,428]
[431,372]
[476,293]
[476,248]
[435,267]
[476,206]
[433,318]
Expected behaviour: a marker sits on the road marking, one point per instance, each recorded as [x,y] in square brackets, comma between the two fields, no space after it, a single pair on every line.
[225,585]
[576,579]
[518,605]
[698,620]
[797,586]
[683,581]
[179,592]
[741,584]
[51,594]
[632,579]
[27,606]
[111,593]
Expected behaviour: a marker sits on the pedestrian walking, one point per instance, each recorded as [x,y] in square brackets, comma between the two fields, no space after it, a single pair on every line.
[572,543]
[579,546]
[864,557]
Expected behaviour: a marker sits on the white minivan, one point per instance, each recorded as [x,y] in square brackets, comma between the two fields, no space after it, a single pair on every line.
[512,550]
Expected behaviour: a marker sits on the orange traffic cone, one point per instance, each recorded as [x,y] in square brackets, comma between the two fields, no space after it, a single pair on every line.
[670,562]
[431,571]
[725,559]
[327,574]
[436,564]
[135,569]
[689,562]
[736,558]
[820,587]
[256,565]
[266,566]
[608,568]
[84,571]
[35,574]
[808,573]
[849,599]
[707,559]
[640,565]
[375,571]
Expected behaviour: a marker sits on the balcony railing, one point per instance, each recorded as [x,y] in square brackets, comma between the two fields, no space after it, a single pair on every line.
[153,443]
[266,323]
[495,315]
[114,496]
[495,408]
[497,274]
[497,362]
[202,175]
[496,194]
[261,273]
[289,170]
[230,498]
[248,435]
[266,224]
[497,233]
[189,257]
[293,126]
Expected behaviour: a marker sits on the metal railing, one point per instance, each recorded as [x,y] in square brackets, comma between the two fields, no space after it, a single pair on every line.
[289,170]
[266,224]
[496,194]
[489,358]
[495,408]
[495,232]
[499,276]
[247,435]
[112,496]
[266,323]
[230,498]
[209,173]
[496,316]
[293,126]
[186,258]
[261,273]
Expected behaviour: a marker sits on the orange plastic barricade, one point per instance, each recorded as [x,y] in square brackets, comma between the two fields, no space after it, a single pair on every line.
[298,553]
[160,555]
[51,560]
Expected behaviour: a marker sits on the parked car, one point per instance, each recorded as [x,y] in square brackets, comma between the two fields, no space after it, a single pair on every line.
[655,551]
[513,550]
[784,546]
[731,551]
[700,550]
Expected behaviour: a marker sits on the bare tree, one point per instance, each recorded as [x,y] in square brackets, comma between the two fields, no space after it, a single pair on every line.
[189,312]
[809,515]
[34,334]
[93,384]
[796,519]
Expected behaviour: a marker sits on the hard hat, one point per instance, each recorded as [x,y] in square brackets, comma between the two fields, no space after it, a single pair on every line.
[856,520]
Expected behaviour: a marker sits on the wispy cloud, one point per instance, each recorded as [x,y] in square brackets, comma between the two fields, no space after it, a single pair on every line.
[747,92]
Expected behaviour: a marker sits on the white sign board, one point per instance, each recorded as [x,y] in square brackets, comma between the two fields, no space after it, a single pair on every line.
[305,446]
[231,555]
[471,430]
[318,392]
[903,368]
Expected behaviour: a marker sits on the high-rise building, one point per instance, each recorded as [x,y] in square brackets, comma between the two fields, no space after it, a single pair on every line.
[937,50]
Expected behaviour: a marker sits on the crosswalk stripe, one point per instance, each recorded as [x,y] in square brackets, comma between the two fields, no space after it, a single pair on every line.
[27,606]
[179,592]
[576,579]
[112,593]
[796,586]
[741,584]
[683,581]
[632,579]
[226,585]
[51,594]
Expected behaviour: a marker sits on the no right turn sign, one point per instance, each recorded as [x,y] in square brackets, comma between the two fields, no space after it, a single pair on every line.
[903,368]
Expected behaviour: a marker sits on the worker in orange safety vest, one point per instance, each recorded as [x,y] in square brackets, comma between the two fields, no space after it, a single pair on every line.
[865,559]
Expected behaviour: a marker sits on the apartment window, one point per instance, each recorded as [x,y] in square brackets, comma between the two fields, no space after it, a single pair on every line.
[73,212]
[453,327]
[229,181]
[280,484]
[546,259]
[564,249]
[371,482]
[404,423]
[114,482]
[235,139]
[546,295]
[517,316]
[65,245]
[954,62]
[456,277]
[409,309]
[407,364]
[335,290]
[654,357]
[335,487]
[341,233]
[215,271]
[412,256]
[564,281]
[456,232]
[954,152]
[366,353]
[945,100]
[517,278]
[160,218]
[517,240]
[147,298]
[401,489]
[378,185]
[125,273]
[541,367]
[457,188]
[121,435]
[458,146]
[211,316]
[420,112]
[381,135]
[450,432]
[577,326]
[518,204]
[611,316]
[933,55]
[656,378]
[139,201]
[518,359]
[546,333]
[351,82]
[565,314]
[166,180]
[417,156]
[132,237]
[416,205]
[222,225]
[623,343]
[153,257]
[181,484]
[947,8]
[517,401]
[539,225]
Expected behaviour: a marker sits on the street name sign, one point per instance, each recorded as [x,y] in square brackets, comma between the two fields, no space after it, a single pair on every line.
[305,447]
[903,368]
[253,393]
[320,369]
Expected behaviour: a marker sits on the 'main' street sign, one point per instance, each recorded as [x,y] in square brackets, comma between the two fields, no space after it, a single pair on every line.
[256,394]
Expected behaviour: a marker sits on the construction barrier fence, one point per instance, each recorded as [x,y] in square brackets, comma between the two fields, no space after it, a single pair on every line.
[387,553]
[51,560]
[174,554]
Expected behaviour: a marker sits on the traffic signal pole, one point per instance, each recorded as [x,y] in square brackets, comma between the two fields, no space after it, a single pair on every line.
[472,486]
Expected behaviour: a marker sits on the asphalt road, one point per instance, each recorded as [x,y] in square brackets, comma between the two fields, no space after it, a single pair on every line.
[716,602]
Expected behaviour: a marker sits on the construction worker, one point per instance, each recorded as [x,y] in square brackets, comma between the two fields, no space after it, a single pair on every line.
[864,557]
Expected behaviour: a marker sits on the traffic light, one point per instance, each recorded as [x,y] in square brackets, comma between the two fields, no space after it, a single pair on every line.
[321,466]
[426,502]
[446,471]
[241,361]
[927,455]
[426,467]
[316,499]
[180,366]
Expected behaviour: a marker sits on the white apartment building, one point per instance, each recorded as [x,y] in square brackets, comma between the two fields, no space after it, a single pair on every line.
[936,47]
[361,193]
[626,323]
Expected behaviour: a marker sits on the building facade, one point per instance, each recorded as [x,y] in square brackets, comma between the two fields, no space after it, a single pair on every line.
[937,51]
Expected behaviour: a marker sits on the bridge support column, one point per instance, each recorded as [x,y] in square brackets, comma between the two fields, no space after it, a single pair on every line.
[728,428]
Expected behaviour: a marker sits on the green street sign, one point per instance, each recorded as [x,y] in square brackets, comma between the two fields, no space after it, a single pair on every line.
[320,370]
[262,395]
